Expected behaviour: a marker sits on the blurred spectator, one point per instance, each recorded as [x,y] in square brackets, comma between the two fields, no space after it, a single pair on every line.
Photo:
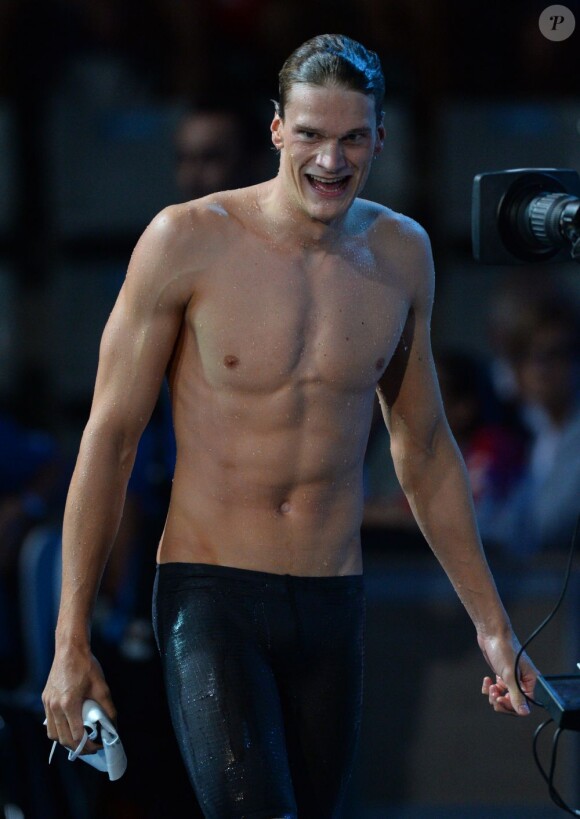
[219,147]
[545,354]
[493,453]
[521,288]
[385,504]
[33,481]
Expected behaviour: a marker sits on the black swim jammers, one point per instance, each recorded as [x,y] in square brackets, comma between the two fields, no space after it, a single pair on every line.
[264,680]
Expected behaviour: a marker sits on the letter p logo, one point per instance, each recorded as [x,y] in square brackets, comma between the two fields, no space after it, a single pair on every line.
[557,23]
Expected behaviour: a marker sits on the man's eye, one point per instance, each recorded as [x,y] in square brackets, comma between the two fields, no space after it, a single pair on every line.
[353,137]
[308,134]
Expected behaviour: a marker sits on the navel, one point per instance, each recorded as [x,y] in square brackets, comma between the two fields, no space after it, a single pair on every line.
[284,507]
[231,361]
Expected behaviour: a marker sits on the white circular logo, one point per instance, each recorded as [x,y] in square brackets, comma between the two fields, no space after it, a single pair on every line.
[557,23]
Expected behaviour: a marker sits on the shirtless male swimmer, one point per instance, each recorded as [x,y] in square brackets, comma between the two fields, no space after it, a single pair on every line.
[277,311]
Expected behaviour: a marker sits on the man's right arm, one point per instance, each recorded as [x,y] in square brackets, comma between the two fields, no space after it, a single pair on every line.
[135,349]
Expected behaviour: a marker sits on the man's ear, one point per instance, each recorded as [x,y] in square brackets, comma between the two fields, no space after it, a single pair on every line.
[380,143]
[277,129]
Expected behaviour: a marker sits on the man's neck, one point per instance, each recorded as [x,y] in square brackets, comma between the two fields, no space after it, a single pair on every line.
[293,226]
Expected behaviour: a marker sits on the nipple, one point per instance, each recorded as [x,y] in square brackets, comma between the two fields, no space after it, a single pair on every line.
[380,363]
[231,361]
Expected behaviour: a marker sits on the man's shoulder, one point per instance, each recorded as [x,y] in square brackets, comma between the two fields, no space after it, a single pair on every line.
[209,216]
[191,231]
[185,217]
[385,223]
[399,243]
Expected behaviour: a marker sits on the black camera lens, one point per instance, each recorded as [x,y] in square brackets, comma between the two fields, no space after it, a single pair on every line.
[526,215]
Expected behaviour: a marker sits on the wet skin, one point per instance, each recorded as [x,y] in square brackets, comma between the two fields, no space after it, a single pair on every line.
[273,383]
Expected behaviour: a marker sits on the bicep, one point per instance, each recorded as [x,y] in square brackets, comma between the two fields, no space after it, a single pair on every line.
[139,339]
[134,351]
[409,391]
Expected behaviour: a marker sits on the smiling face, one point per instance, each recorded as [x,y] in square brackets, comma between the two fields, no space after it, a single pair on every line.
[327,141]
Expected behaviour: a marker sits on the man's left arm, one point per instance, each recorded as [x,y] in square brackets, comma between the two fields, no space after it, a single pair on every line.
[432,474]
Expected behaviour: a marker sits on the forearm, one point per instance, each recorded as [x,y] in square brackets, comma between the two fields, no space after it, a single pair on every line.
[437,487]
[92,516]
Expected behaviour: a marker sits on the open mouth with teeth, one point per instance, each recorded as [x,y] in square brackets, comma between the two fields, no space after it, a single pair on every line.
[334,186]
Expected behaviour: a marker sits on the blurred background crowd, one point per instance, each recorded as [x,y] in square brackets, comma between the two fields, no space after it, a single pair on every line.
[112,109]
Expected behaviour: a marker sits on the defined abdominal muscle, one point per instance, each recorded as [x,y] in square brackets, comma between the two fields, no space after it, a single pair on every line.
[267,485]
[277,475]
[244,467]
[303,527]
[302,436]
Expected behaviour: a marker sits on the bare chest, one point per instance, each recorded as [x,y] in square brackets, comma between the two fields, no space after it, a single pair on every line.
[264,322]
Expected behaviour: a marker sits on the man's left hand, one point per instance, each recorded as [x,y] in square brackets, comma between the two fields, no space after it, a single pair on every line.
[504,695]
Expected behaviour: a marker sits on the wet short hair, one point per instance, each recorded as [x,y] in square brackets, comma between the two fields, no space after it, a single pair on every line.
[333,59]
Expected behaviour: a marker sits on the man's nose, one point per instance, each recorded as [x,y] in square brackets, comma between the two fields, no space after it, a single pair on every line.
[331,156]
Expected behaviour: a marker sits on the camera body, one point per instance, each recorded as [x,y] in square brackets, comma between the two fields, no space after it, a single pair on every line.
[525,215]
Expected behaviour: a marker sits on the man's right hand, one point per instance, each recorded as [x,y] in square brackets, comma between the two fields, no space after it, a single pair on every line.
[75,676]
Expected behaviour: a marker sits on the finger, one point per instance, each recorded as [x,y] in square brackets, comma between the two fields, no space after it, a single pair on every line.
[500,701]
[503,702]
[517,700]
[495,692]
[51,731]
[498,688]
[498,697]
[67,721]
[487,681]
[503,706]
[104,699]
[109,708]
[528,679]
[90,748]
[59,728]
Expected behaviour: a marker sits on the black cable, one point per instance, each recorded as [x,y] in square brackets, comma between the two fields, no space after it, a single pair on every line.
[554,795]
[537,733]
[545,622]
[549,777]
